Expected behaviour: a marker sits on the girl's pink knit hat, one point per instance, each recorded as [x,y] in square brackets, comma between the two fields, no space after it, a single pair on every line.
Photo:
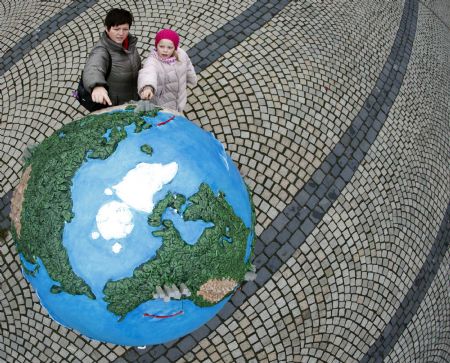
[167,34]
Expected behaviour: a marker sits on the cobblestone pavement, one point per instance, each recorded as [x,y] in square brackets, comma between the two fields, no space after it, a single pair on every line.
[336,112]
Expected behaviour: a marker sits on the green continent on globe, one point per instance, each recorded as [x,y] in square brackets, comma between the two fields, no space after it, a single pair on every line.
[147,149]
[171,200]
[217,256]
[45,202]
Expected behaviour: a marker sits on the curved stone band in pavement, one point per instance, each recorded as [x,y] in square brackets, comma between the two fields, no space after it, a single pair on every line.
[47,28]
[411,302]
[337,114]
[290,229]
[232,33]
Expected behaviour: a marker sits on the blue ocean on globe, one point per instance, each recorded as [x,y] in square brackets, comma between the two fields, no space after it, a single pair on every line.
[194,157]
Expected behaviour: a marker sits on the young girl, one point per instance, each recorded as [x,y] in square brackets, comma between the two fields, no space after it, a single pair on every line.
[166,73]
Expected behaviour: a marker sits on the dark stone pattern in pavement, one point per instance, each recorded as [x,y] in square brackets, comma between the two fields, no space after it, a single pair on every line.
[215,45]
[5,208]
[328,181]
[415,346]
[31,41]
[413,299]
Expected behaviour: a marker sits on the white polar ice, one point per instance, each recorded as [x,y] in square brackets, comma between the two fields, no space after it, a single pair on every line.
[140,184]
[114,220]
[95,235]
[108,191]
[116,247]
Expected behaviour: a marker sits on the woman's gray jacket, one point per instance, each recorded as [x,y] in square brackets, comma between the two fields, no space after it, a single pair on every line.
[125,64]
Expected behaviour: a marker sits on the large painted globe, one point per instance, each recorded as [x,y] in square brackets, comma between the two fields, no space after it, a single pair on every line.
[134,228]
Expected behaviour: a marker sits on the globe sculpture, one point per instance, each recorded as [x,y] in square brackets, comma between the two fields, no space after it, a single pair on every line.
[134,228]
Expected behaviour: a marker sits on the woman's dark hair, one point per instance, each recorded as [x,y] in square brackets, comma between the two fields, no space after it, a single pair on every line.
[118,17]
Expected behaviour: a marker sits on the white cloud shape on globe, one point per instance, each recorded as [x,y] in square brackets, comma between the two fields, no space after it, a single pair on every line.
[114,220]
[140,184]
[116,247]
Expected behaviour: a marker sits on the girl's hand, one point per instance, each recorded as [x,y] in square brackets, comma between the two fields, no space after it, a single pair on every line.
[147,93]
[100,95]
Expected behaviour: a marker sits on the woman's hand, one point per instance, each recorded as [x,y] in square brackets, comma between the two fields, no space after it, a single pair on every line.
[100,95]
[146,93]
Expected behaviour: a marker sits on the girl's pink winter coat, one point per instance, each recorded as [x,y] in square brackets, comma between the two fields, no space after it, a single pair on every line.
[169,80]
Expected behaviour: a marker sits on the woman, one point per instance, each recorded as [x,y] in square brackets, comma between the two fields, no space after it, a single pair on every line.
[111,71]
